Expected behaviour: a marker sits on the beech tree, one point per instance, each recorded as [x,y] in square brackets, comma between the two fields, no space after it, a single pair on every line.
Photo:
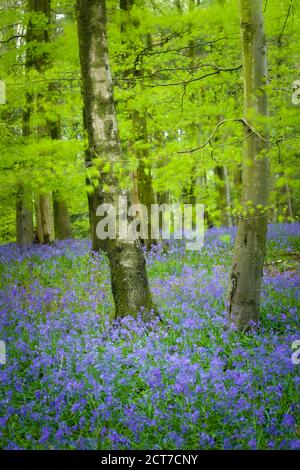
[250,244]
[24,199]
[38,33]
[127,263]
[52,216]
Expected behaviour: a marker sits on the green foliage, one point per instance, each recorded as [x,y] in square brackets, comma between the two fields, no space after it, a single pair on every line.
[176,65]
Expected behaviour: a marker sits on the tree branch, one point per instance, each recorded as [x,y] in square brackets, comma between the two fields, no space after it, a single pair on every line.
[285,22]
[221,123]
[179,49]
[17,36]
[195,79]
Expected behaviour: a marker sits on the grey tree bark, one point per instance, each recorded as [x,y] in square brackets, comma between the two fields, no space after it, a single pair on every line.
[250,245]
[129,279]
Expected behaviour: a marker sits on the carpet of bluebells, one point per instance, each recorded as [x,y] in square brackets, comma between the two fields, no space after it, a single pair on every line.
[76,379]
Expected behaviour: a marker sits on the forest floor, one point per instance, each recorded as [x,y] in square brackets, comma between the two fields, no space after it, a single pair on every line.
[75,379]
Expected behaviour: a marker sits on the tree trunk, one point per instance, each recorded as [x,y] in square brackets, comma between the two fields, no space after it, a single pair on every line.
[162,197]
[93,196]
[45,221]
[228,197]
[62,222]
[224,199]
[250,244]
[127,263]
[24,216]
[284,207]
[289,198]
[44,215]
[38,32]
[24,203]
[145,190]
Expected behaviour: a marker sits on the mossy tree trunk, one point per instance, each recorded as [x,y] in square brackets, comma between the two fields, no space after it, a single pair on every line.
[127,263]
[37,59]
[224,198]
[24,216]
[24,200]
[93,195]
[44,200]
[250,245]
[45,219]
[62,221]
[145,190]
